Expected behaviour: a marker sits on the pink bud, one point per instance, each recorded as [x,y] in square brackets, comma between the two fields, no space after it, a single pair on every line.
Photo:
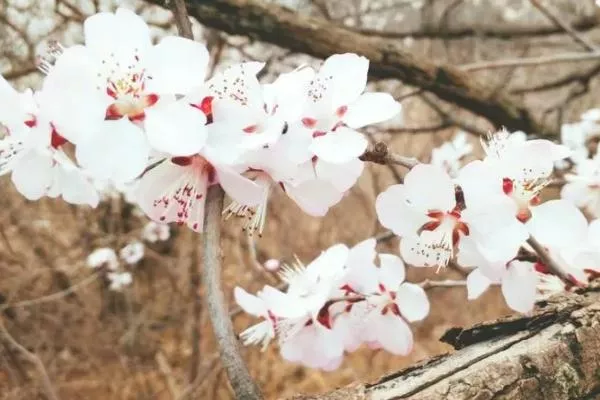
[272,265]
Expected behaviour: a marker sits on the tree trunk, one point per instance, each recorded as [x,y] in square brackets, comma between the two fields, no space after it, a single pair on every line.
[554,354]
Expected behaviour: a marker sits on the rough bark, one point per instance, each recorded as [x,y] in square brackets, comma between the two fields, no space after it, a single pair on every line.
[554,354]
[320,38]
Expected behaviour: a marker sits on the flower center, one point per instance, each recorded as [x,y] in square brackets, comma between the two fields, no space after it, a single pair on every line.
[448,223]
[126,85]
[525,194]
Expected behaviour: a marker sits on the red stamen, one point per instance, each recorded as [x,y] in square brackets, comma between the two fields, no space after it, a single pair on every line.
[56,140]
[341,111]
[181,161]
[507,186]
[309,122]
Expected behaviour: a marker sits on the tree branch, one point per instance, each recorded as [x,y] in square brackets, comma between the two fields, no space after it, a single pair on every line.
[32,358]
[551,355]
[381,155]
[319,38]
[239,376]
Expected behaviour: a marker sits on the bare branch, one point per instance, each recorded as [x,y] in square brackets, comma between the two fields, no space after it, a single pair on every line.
[429,283]
[239,376]
[555,17]
[182,19]
[552,266]
[381,155]
[32,358]
[320,38]
[532,61]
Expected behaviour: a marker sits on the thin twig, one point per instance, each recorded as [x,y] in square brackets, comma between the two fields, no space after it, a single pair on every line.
[182,19]
[552,266]
[32,358]
[556,18]
[428,283]
[239,376]
[195,282]
[381,155]
[531,61]
[54,296]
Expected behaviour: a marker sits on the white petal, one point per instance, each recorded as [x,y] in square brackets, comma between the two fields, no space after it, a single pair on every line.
[519,286]
[117,151]
[249,303]
[342,176]
[238,187]
[120,33]
[175,128]
[477,283]
[33,175]
[480,184]
[315,197]
[391,271]
[348,75]
[429,188]
[339,146]
[371,108]
[558,223]
[177,65]
[394,213]
[412,301]
[392,333]
[76,188]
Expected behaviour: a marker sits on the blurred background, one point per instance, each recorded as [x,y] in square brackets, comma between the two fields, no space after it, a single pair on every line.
[104,340]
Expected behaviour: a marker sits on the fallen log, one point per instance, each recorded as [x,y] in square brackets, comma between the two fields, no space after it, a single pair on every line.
[552,354]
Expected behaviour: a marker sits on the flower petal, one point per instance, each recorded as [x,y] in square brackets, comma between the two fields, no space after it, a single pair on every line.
[519,286]
[117,151]
[315,197]
[558,223]
[429,188]
[347,74]
[33,174]
[238,187]
[477,283]
[391,271]
[342,176]
[177,65]
[249,303]
[412,301]
[339,146]
[371,108]
[175,128]
[394,213]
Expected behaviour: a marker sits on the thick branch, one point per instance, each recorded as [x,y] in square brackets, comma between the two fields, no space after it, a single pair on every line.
[317,37]
[550,355]
[239,376]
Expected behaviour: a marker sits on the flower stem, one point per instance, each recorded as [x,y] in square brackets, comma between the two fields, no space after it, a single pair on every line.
[239,376]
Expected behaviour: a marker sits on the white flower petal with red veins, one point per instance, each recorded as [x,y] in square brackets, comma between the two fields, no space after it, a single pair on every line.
[342,176]
[315,197]
[558,223]
[120,33]
[175,128]
[394,213]
[118,150]
[477,283]
[238,187]
[371,108]
[174,193]
[339,146]
[177,65]
[391,271]
[519,286]
[33,175]
[345,77]
[391,332]
[412,301]
[428,187]
[249,303]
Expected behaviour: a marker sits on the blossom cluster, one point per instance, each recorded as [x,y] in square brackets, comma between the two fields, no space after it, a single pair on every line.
[125,112]
[342,299]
